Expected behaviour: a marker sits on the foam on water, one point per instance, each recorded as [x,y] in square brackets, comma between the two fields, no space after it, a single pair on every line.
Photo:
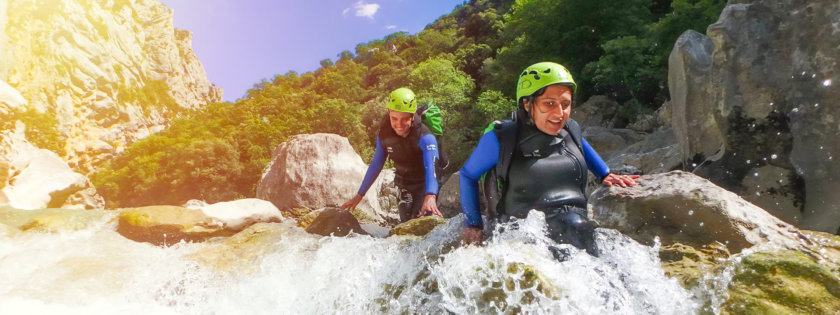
[98,271]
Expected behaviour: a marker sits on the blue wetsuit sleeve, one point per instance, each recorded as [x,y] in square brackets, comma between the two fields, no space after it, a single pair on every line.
[484,157]
[594,162]
[374,168]
[428,144]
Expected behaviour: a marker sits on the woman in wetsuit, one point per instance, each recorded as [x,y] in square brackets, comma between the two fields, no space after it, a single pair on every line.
[414,150]
[546,170]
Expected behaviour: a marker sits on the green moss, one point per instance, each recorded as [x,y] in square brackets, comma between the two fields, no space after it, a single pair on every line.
[361,216]
[688,264]
[296,213]
[304,216]
[783,282]
[419,226]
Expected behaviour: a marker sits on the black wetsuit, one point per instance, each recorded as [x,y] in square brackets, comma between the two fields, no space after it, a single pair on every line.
[545,173]
[415,157]
[548,173]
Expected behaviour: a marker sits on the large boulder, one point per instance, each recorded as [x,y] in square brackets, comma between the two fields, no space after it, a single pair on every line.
[691,113]
[657,153]
[610,142]
[238,214]
[754,93]
[33,178]
[680,207]
[319,170]
[598,110]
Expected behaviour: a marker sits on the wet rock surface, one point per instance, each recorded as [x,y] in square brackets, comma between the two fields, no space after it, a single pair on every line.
[682,207]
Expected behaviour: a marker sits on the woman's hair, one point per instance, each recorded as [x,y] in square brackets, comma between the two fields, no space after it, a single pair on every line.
[531,98]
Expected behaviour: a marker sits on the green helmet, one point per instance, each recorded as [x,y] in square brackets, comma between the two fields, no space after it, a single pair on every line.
[540,75]
[403,100]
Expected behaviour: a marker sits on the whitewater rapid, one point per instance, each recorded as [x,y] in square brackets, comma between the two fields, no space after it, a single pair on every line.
[97,271]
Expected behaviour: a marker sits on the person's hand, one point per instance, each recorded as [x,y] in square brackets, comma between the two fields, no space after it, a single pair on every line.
[620,180]
[472,236]
[351,204]
[429,206]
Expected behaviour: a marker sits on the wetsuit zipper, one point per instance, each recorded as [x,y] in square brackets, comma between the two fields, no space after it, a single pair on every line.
[574,158]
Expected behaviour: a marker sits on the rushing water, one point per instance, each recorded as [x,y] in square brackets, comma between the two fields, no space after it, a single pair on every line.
[96,270]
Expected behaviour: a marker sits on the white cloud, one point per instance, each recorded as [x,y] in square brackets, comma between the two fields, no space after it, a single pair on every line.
[344,13]
[390,27]
[367,10]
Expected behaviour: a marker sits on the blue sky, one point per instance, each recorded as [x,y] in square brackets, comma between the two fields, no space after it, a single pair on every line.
[243,42]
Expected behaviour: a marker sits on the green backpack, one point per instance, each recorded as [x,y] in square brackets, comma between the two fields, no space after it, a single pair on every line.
[433,119]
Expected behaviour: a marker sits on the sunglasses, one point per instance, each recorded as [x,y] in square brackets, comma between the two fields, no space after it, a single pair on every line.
[547,105]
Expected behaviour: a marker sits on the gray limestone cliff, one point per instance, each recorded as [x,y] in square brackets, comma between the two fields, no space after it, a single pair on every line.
[112,72]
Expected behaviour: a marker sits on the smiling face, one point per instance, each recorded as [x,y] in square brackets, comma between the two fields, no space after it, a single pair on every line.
[401,122]
[551,109]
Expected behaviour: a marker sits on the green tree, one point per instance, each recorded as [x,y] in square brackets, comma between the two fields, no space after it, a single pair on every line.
[493,105]
[569,32]
[633,69]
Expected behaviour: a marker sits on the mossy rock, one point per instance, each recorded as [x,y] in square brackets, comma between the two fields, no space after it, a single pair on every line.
[51,220]
[166,225]
[688,264]
[239,252]
[783,282]
[306,219]
[418,227]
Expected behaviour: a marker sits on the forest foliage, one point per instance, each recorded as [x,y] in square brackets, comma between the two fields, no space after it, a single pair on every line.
[42,128]
[466,61]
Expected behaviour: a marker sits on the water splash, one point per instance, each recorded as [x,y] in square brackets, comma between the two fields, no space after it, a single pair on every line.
[98,271]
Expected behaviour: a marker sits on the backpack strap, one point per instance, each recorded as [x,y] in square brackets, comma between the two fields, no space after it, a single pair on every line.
[506,133]
[496,178]
[421,109]
[573,129]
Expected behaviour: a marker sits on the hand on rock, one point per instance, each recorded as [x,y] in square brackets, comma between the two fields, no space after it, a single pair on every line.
[351,204]
[429,206]
[620,180]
